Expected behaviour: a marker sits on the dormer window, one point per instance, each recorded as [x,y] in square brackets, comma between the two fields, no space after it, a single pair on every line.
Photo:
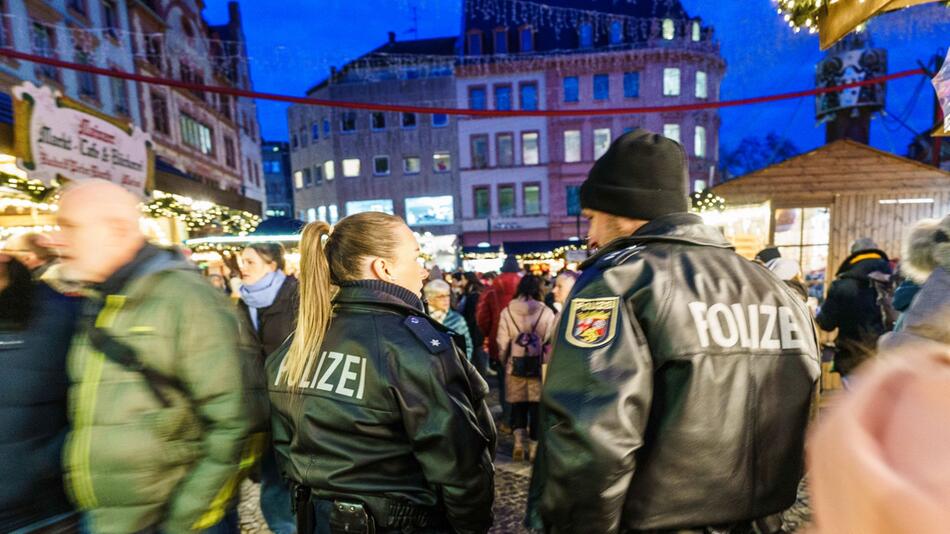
[586,35]
[475,43]
[669,30]
[616,32]
[501,41]
[696,33]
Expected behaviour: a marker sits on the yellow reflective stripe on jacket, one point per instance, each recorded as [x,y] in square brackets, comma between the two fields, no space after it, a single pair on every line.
[80,444]
[253,450]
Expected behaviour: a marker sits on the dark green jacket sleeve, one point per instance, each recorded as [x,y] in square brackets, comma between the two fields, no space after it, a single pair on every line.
[212,367]
[596,404]
[443,418]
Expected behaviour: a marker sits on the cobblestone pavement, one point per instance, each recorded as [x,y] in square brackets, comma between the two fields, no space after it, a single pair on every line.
[511,489]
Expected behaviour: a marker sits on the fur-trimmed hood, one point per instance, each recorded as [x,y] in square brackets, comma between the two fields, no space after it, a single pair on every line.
[926,248]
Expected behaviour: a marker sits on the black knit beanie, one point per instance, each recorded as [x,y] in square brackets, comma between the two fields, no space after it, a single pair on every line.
[642,175]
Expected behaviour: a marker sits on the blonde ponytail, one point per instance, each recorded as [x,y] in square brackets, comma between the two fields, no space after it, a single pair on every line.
[313,317]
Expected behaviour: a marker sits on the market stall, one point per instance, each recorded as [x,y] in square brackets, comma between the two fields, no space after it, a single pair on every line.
[538,257]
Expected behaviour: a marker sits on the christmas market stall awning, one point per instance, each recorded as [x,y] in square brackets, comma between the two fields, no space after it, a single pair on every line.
[941,83]
[540,250]
[476,252]
[833,19]
[283,230]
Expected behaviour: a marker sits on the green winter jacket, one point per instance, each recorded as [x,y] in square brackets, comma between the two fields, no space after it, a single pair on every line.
[133,461]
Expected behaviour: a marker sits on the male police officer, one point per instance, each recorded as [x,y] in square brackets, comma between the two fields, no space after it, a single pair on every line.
[683,375]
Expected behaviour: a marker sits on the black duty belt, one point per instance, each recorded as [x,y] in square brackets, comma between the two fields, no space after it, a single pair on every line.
[767,525]
[385,513]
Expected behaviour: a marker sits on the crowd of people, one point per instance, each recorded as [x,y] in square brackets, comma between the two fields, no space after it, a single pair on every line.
[667,386]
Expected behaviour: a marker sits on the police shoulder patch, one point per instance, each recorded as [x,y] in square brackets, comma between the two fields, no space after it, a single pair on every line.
[434,340]
[592,322]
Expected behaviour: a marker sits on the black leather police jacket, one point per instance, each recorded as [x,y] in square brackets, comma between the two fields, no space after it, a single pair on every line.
[679,389]
[390,411]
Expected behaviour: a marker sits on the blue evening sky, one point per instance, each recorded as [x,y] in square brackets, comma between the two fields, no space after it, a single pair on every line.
[293,43]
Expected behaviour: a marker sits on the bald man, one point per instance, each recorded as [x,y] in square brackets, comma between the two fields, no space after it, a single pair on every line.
[163,425]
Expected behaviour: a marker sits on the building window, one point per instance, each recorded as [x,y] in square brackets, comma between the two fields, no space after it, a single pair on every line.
[326,127]
[153,50]
[696,33]
[322,213]
[505,149]
[381,166]
[601,142]
[479,145]
[196,135]
[601,87]
[408,120]
[383,205]
[87,80]
[329,170]
[303,137]
[699,185]
[526,38]
[475,43]
[616,32]
[440,120]
[530,152]
[573,197]
[351,167]
[476,97]
[531,196]
[272,166]
[314,131]
[377,120]
[44,44]
[570,89]
[572,146]
[701,90]
[802,234]
[110,16]
[699,142]
[442,162]
[229,153]
[307,177]
[501,41]
[672,131]
[411,165]
[334,214]
[669,30]
[631,84]
[311,214]
[348,121]
[298,179]
[503,97]
[506,201]
[430,210]
[671,82]
[529,96]
[79,6]
[585,35]
[224,105]
[482,197]
[159,113]
[318,175]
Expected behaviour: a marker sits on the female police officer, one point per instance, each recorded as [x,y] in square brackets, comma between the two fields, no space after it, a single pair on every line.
[377,417]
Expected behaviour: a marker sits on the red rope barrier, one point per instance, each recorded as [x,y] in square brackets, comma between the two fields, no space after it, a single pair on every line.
[233,91]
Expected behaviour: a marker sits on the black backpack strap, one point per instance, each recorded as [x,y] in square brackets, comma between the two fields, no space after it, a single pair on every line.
[124,355]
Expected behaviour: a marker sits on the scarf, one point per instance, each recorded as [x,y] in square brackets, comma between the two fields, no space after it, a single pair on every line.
[262,293]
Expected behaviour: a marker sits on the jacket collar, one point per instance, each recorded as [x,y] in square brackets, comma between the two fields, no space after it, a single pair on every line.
[149,259]
[863,261]
[378,292]
[687,228]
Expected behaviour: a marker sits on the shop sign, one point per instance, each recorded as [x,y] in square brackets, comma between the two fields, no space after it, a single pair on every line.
[57,137]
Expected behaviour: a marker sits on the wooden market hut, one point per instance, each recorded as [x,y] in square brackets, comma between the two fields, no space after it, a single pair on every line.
[867,193]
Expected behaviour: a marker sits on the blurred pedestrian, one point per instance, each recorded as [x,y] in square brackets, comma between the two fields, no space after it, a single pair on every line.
[767,254]
[377,416]
[788,271]
[33,250]
[268,309]
[471,290]
[682,377]
[927,260]
[854,306]
[36,328]
[439,294]
[563,285]
[162,404]
[878,462]
[522,334]
[488,315]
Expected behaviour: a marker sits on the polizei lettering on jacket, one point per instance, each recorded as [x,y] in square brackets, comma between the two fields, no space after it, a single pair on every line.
[753,326]
[338,373]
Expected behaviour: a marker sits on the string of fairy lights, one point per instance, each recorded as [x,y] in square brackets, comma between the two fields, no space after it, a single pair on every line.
[195,214]
[807,14]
